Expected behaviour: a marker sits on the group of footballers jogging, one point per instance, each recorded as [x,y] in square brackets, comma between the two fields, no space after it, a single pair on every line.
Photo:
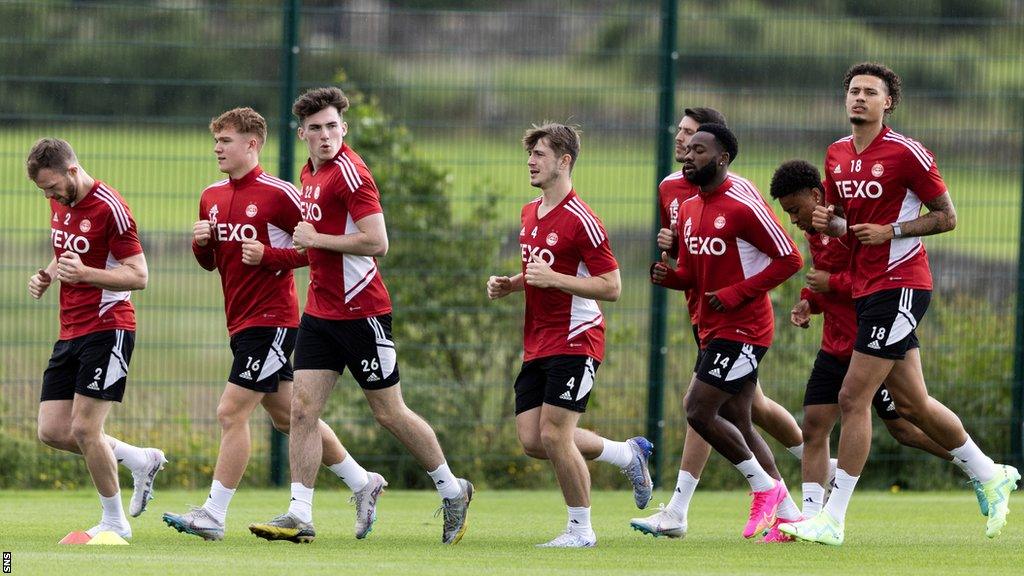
[721,243]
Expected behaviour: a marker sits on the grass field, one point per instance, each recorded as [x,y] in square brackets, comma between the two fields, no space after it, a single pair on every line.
[905,533]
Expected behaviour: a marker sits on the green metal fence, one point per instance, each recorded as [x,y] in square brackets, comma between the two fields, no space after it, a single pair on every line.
[444,96]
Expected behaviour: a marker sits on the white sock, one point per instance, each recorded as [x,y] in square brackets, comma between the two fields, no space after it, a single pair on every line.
[446,482]
[113,511]
[814,498]
[758,478]
[351,473]
[132,457]
[787,508]
[618,453]
[797,451]
[963,467]
[301,505]
[218,500]
[981,466]
[679,505]
[840,498]
[579,520]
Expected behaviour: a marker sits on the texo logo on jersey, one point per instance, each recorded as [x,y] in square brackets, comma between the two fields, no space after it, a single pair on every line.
[859,188]
[226,232]
[311,212]
[698,245]
[68,241]
[543,253]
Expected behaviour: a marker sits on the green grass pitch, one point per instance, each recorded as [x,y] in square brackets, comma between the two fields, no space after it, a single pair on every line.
[887,534]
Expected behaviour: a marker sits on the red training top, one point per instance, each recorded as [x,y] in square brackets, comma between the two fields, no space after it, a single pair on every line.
[571,239]
[259,207]
[100,228]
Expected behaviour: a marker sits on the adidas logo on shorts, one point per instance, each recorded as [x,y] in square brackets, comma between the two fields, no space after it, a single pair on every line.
[372,378]
[565,396]
[874,345]
[247,375]
[93,386]
[716,373]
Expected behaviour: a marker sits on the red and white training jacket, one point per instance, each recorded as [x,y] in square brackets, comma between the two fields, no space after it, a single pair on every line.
[839,332]
[334,197]
[732,244]
[673,190]
[259,207]
[888,182]
[571,240]
[101,230]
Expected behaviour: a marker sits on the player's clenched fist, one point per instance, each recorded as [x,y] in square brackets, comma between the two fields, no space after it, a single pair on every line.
[539,275]
[822,217]
[304,236]
[38,283]
[252,252]
[801,314]
[202,232]
[498,287]
[817,281]
[872,234]
[666,238]
[70,268]
[660,269]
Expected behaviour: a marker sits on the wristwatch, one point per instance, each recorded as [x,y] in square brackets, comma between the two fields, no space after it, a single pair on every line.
[896,231]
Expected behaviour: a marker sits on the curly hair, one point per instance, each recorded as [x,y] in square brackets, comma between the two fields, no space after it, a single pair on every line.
[319,99]
[881,71]
[794,176]
[726,139]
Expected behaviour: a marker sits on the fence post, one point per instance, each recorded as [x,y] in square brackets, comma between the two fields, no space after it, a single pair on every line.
[1017,418]
[285,168]
[656,345]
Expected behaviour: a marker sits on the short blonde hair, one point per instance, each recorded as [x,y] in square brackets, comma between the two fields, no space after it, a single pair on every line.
[245,120]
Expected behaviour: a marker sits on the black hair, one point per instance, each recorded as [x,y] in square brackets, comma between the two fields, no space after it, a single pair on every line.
[794,176]
[726,139]
[703,115]
[891,79]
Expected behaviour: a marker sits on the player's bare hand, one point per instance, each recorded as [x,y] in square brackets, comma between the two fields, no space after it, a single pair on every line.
[666,238]
[872,234]
[202,232]
[714,301]
[660,269]
[817,281]
[70,268]
[539,275]
[800,316]
[304,236]
[498,287]
[252,252]
[38,283]
[822,217]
